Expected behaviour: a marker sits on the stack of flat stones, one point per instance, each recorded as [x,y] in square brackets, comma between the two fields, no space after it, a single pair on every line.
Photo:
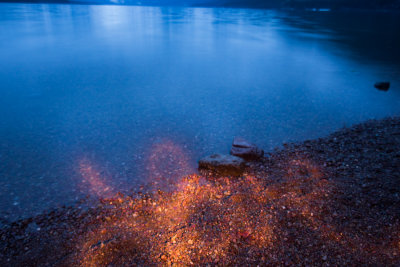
[234,164]
[242,148]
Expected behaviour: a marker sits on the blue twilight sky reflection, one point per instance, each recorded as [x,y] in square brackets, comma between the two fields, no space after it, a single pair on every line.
[109,85]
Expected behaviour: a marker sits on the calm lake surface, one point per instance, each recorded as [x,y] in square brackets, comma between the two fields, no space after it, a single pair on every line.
[100,99]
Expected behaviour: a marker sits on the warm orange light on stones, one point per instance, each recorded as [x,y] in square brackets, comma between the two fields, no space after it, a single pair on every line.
[209,221]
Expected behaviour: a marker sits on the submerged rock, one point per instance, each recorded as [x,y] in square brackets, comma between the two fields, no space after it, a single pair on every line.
[383,86]
[223,164]
[244,149]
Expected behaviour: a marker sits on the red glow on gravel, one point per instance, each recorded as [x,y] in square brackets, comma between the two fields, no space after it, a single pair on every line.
[203,221]
[211,221]
[170,226]
[94,183]
[167,162]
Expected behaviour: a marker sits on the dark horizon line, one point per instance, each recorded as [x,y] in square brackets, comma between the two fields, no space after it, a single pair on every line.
[210,4]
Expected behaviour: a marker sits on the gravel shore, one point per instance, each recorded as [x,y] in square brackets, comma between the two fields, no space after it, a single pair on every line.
[332,201]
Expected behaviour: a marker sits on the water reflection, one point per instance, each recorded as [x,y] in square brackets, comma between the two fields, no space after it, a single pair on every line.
[370,36]
[110,81]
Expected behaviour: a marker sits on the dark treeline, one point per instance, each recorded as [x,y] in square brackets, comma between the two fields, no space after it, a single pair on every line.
[332,4]
[298,4]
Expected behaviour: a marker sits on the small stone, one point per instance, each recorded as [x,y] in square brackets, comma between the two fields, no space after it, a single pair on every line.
[383,86]
[173,239]
[244,149]
[223,164]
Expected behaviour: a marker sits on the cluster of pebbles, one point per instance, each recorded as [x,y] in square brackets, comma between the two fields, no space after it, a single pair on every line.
[332,201]
[233,164]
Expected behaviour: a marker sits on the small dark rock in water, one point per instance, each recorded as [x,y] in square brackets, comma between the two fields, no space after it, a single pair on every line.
[244,149]
[223,164]
[383,86]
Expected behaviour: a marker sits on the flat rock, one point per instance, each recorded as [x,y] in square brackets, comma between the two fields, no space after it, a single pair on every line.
[244,149]
[223,164]
[383,86]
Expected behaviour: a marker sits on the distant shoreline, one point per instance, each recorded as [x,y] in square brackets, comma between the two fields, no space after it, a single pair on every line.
[310,8]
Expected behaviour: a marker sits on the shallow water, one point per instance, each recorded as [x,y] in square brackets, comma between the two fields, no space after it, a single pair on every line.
[97,99]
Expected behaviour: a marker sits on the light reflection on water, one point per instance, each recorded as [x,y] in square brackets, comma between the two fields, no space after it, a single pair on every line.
[109,83]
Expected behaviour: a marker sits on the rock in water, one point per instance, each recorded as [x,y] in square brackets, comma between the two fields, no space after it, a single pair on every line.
[223,164]
[244,149]
[383,86]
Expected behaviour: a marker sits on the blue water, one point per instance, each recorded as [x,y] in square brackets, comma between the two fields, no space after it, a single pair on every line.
[97,99]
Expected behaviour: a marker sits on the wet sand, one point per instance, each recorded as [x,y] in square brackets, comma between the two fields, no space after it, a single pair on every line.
[330,201]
